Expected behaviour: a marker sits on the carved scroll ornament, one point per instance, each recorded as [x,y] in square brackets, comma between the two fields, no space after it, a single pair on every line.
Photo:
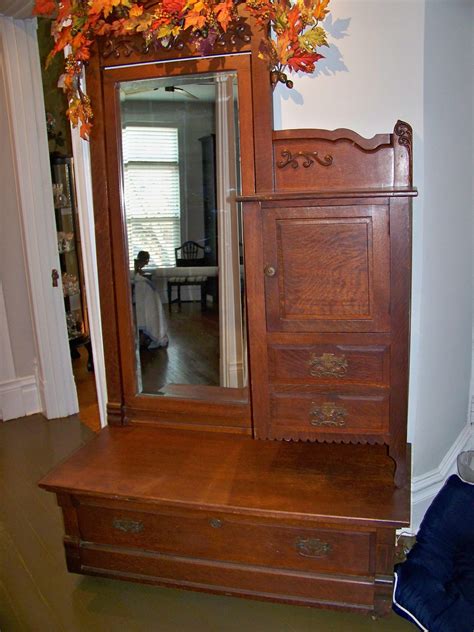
[405,135]
[309,158]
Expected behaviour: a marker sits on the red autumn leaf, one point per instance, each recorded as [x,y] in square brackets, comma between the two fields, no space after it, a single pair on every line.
[44,7]
[173,6]
[303,61]
[102,28]
[85,130]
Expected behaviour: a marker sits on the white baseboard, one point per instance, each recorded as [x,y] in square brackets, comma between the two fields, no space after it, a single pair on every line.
[19,397]
[425,487]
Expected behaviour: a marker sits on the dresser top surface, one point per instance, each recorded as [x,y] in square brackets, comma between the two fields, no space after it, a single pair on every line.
[340,483]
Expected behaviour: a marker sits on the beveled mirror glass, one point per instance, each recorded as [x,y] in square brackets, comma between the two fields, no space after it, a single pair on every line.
[181,172]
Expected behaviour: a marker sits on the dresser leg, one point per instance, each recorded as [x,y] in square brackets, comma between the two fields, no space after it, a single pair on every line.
[383,597]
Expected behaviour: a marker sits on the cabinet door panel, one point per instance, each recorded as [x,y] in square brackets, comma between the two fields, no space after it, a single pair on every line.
[320,269]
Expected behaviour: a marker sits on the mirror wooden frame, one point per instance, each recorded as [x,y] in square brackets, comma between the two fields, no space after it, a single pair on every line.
[113,63]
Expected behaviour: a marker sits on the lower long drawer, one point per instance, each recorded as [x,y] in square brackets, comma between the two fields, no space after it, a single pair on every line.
[230,538]
[232,579]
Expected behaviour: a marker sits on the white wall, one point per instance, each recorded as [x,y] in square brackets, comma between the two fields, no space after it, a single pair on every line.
[12,266]
[412,59]
[446,263]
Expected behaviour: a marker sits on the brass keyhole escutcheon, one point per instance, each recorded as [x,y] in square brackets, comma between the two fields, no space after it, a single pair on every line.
[312,547]
[128,526]
[269,271]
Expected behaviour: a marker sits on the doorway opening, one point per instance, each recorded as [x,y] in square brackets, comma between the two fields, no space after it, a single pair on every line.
[69,239]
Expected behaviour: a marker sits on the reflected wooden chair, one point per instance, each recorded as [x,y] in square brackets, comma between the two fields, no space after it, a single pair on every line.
[189,254]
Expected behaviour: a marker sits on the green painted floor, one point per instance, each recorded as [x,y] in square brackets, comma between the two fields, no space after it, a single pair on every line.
[37,594]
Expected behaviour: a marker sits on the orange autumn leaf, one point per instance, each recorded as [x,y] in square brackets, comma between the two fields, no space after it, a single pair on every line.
[85,130]
[195,21]
[224,13]
[104,6]
[135,11]
[321,9]
[63,39]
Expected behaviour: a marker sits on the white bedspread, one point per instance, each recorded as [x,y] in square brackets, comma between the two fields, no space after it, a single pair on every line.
[151,319]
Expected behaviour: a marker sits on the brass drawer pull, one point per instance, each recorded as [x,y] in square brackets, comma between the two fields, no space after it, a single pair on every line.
[128,526]
[328,365]
[215,523]
[328,415]
[269,271]
[312,547]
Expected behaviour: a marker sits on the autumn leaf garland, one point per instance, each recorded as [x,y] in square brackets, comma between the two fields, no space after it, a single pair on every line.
[291,34]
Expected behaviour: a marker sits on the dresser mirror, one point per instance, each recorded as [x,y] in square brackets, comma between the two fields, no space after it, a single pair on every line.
[181,173]
[182,134]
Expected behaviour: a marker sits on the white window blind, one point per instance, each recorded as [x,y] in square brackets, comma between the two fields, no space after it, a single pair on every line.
[151,186]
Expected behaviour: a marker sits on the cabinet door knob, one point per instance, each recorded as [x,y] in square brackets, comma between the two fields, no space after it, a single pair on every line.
[269,271]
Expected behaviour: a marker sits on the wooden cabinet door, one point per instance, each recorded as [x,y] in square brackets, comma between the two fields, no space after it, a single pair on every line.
[327,268]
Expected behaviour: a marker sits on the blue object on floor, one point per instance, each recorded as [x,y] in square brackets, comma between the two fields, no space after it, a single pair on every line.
[434,587]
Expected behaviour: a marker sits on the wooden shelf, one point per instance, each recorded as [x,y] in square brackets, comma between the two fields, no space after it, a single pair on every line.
[237,474]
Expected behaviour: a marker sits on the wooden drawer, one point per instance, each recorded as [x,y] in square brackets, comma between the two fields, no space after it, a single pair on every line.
[331,413]
[339,591]
[228,538]
[329,363]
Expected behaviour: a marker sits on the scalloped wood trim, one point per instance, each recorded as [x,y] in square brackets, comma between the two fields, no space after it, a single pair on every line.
[326,438]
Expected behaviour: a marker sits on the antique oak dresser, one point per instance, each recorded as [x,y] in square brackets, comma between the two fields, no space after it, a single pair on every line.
[289,481]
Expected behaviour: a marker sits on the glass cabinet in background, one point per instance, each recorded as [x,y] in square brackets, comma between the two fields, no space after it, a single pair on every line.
[69,249]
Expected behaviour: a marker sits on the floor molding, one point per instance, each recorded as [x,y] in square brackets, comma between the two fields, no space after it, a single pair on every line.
[19,398]
[425,487]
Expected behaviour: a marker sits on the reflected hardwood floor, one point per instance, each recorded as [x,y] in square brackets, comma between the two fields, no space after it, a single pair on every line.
[192,356]
[37,594]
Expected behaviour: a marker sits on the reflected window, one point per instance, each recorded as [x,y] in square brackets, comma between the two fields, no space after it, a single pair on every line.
[152,194]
